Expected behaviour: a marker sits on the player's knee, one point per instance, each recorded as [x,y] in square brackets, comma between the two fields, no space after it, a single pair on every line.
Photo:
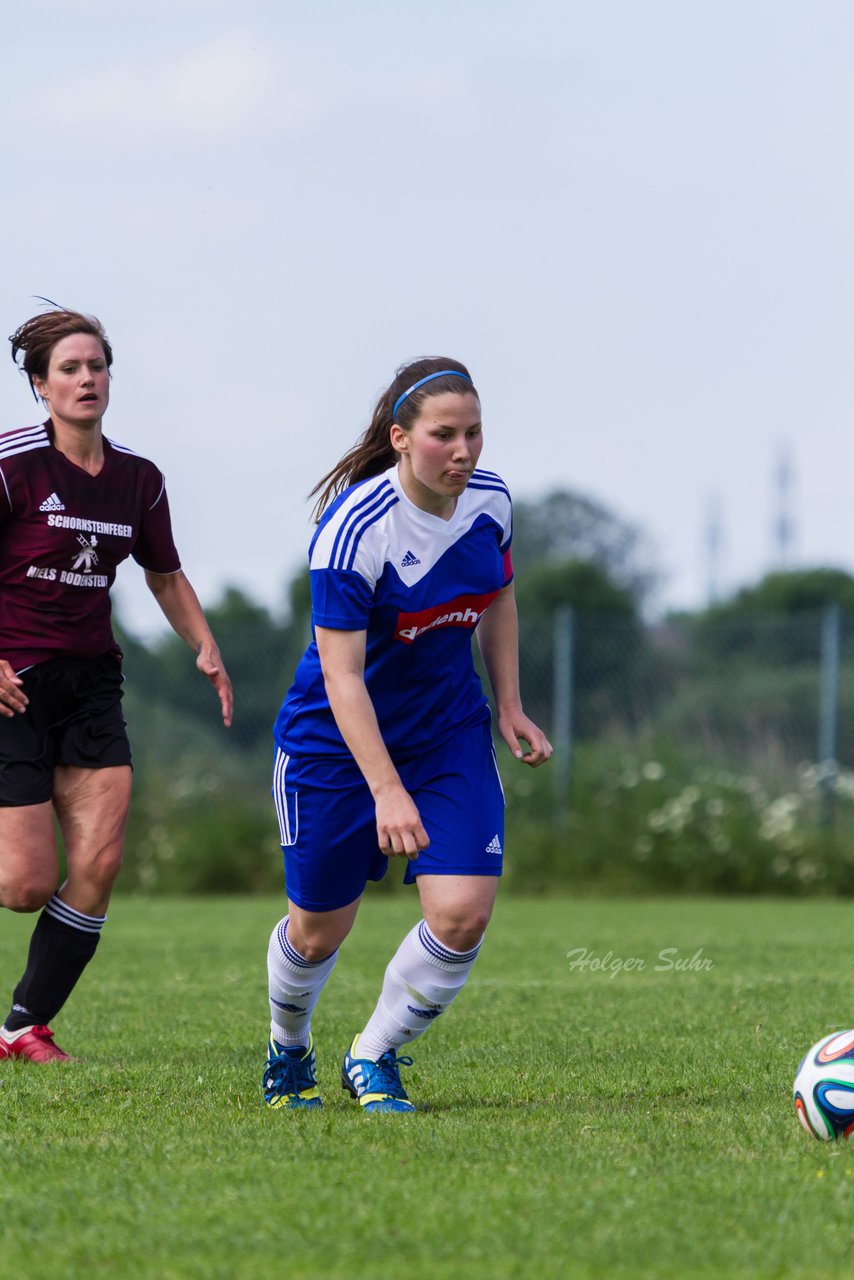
[318,947]
[463,930]
[100,873]
[25,895]
[315,941]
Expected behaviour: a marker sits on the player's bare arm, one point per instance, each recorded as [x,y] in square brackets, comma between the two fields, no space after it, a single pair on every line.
[498,637]
[181,608]
[342,658]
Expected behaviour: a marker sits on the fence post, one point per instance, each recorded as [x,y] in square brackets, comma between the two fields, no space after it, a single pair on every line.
[831,629]
[562,691]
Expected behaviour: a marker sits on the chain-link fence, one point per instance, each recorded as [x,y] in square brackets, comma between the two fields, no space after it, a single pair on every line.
[758,692]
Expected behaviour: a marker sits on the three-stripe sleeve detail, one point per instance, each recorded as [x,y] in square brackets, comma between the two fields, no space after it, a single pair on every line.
[359,518]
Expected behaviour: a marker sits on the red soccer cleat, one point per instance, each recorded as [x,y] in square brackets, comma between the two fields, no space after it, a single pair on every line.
[35,1043]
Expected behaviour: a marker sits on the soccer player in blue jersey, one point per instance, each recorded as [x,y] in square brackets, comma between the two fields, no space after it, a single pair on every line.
[383,743]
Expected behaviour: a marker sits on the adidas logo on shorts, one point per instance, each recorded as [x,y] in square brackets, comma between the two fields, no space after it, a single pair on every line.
[53,503]
[409,560]
[494,845]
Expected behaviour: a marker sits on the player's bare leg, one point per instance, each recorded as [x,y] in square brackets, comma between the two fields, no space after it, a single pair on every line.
[316,934]
[457,909]
[91,806]
[29,866]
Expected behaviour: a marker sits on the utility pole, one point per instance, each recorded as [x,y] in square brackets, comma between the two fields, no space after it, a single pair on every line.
[783,525]
[713,546]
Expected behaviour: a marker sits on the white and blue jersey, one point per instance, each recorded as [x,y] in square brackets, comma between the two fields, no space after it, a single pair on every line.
[418,586]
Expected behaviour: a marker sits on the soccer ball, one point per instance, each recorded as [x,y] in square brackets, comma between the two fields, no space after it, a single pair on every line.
[824,1088]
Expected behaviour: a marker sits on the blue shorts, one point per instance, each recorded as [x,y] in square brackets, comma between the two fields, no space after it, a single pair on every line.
[327,819]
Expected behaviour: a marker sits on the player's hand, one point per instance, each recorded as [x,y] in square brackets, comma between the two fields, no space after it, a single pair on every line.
[12,696]
[212,667]
[514,726]
[399,829]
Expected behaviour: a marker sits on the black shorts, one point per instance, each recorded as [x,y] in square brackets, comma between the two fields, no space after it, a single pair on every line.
[74,717]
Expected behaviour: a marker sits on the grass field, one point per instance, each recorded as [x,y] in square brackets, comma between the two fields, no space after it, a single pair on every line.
[575,1120]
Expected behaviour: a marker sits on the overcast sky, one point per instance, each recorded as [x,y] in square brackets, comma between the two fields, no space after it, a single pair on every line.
[633,219]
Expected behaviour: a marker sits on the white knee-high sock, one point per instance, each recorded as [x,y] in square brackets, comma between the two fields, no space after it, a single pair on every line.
[422,979]
[295,985]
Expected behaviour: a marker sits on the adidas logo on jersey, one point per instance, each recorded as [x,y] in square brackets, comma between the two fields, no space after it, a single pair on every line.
[53,503]
[409,560]
[494,845]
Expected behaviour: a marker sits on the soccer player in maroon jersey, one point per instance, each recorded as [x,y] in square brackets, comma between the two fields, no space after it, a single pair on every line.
[73,505]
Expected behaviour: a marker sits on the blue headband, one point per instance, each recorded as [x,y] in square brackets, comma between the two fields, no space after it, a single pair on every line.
[443,373]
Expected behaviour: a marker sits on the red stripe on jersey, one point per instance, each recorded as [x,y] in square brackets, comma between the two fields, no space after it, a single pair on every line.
[464,611]
[508,566]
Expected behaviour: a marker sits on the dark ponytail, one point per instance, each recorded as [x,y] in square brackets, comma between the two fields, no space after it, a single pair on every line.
[372,453]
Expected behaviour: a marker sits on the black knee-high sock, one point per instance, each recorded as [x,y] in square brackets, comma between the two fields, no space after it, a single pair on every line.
[62,944]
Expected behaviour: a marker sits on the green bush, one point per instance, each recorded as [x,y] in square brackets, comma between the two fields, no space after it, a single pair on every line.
[658,820]
[200,829]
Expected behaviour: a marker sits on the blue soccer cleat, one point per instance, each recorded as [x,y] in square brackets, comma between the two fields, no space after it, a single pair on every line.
[289,1076]
[376,1085]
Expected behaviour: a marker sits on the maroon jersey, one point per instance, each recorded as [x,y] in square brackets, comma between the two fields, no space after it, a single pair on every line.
[62,534]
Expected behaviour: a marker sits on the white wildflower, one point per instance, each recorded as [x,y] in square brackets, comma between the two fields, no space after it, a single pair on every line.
[643,848]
